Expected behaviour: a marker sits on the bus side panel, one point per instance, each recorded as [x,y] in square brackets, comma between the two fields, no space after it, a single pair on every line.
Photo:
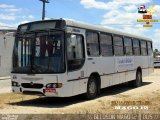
[131,69]
[67,87]
[122,77]
[151,66]
[120,68]
[106,65]
[137,62]
[75,89]
[144,61]
[93,65]
[120,65]
[83,86]
[76,79]
[107,69]
[72,88]
[106,81]
[145,72]
[140,61]
[115,80]
[79,86]
[130,75]
[144,65]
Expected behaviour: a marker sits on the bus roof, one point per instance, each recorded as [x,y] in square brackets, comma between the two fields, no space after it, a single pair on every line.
[102,29]
[74,23]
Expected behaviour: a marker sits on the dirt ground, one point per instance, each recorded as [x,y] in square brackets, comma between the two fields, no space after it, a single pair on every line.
[23,104]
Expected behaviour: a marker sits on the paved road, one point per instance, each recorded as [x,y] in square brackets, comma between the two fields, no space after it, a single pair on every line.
[5,86]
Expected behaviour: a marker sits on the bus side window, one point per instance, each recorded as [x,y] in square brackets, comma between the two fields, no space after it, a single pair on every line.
[75,52]
[136,47]
[149,46]
[92,44]
[143,48]
[106,44]
[118,46]
[128,46]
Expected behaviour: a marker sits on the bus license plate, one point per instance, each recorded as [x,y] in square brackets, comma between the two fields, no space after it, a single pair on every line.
[52,90]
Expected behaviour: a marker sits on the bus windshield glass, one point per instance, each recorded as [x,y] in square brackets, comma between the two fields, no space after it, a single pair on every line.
[39,53]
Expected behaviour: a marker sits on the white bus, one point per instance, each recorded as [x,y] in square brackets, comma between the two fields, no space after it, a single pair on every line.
[62,58]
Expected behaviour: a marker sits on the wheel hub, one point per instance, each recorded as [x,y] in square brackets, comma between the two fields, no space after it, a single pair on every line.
[92,87]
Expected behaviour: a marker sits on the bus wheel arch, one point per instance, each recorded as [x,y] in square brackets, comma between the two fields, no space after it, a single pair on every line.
[139,69]
[96,78]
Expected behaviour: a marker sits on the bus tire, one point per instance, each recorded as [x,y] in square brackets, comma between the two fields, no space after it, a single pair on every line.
[92,88]
[138,81]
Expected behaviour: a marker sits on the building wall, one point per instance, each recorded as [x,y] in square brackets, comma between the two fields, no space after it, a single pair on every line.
[6,48]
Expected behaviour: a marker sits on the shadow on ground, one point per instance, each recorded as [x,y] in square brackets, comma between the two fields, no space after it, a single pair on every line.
[52,102]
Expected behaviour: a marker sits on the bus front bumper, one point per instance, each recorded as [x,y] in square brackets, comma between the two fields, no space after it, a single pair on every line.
[52,92]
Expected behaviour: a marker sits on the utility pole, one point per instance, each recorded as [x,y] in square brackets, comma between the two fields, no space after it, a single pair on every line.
[43,10]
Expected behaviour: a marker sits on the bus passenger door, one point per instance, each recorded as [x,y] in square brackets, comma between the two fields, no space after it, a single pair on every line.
[75,62]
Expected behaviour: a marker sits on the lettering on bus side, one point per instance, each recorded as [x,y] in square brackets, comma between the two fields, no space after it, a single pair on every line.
[125,61]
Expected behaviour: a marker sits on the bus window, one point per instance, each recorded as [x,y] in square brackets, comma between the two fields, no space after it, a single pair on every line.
[92,44]
[149,46]
[118,46]
[23,52]
[143,48]
[128,46]
[19,53]
[106,45]
[75,52]
[136,47]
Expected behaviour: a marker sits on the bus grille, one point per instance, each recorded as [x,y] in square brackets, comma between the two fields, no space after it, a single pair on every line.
[29,85]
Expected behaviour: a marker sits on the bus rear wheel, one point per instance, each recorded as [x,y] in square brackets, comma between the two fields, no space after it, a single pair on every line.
[138,81]
[92,88]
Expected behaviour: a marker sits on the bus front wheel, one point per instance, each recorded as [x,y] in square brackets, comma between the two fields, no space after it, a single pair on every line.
[92,88]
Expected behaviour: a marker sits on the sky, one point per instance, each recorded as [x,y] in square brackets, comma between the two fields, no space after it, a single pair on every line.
[115,14]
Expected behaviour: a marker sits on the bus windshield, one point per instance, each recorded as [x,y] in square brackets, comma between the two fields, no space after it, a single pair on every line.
[39,53]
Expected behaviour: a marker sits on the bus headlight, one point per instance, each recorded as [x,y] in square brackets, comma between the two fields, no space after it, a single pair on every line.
[49,85]
[54,85]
